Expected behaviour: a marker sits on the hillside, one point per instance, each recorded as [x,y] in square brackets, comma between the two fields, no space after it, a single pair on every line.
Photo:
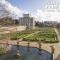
[7,21]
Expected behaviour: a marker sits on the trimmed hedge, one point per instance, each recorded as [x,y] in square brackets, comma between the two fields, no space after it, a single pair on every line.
[42,40]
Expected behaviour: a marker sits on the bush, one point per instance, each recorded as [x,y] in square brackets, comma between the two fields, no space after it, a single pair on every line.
[13,38]
[42,40]
[2,50]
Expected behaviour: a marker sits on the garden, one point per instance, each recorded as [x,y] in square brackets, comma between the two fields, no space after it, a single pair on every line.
[45,35]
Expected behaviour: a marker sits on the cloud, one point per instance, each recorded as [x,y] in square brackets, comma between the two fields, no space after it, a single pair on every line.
[48,12]
[12,10]
[51,13]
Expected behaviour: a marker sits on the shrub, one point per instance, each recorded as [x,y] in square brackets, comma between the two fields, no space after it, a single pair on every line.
[2,50]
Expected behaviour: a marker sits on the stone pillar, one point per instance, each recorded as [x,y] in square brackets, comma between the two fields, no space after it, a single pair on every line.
[39,43]
[52,52]
[7,45]
[17,45]
[18,53]
[28,46]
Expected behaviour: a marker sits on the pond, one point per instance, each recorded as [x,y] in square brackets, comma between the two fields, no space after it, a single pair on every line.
[26,54]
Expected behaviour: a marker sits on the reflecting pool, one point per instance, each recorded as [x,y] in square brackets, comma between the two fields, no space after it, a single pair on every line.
[26,54]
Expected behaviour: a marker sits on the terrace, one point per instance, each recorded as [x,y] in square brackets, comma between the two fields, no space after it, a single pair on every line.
[34,37]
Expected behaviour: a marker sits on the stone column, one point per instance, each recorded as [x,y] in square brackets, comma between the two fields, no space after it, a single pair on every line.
[39,43]
[18,53]
[52,52]
[17,45]
[28,46]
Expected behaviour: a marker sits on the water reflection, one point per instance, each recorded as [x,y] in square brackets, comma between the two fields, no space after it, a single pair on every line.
[32,54]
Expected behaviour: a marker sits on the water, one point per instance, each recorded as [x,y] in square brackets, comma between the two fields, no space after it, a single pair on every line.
[26,54]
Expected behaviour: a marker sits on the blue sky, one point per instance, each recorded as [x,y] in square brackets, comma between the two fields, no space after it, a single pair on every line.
[29,5]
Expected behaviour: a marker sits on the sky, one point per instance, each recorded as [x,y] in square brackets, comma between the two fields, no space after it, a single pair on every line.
[41,10]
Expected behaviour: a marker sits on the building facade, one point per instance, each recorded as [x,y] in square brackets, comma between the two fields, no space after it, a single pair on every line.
[27,21]
[50,23]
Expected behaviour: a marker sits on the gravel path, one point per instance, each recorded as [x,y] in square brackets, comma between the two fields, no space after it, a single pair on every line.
[32,34]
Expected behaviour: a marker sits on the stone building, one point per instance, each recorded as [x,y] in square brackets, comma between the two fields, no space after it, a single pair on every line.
[27,21]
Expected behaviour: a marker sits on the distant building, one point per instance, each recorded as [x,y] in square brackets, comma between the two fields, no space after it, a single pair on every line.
[50,23]
[27,21]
